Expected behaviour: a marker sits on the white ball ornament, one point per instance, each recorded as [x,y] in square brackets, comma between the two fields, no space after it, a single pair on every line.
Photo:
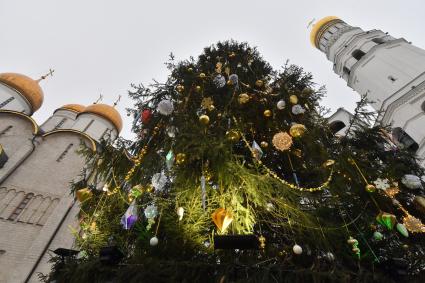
[297,249]
[281,104]
[165,107]
[180,213]
[153,241]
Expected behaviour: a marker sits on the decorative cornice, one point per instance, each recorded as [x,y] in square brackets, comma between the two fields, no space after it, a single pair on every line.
[36,128]
[336,36]
[402,100]
[92,141]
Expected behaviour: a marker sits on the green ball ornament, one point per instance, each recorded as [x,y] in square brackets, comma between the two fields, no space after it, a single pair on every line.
[378,236]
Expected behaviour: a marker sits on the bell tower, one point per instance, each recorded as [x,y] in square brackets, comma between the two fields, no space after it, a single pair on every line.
[389,71]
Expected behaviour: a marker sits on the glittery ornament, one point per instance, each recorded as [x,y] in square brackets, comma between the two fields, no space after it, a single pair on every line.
[159,180]
[180,158]
[222,219]
[281,104]
[293,99]
[262,241]
[297,130]
[233,135]
[153,241]
[165,107]
[282,141]
[202,75]
[171,131]
[328,163]
[180,213]
[243,98]
[298,109]
[219,81]
[381,184]
[267,113]
[218,67]
[207,102]
[411,181]
[151,211]
[204,119]
[413,224]
[297,249]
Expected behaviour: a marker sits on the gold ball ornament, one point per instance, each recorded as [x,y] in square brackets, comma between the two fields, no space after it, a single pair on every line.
[204,119]
[243,98]
[190,69]
[264,144]
[282,141]
[370,188]
[267,113]
[202,75]
[328,163]
[180,88]
[211,108]
[180,158]
[293,99]
[297,130]
[198,88]
[259,83]
[233,135]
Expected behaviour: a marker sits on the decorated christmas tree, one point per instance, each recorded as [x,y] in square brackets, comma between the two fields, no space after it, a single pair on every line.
[236,176]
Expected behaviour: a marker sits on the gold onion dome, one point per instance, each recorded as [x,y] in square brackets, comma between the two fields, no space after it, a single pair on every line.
[26,86]
[320,27]
[78,108]
[107,112]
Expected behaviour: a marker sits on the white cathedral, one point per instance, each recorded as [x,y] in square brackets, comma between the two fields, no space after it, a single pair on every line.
[37,164]
[389,71]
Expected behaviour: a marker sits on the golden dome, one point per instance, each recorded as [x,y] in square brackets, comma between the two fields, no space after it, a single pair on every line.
[73,107]
[26,86]
[107,112]
[318,28]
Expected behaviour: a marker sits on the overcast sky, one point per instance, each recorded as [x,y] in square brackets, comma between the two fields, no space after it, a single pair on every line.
[101,46]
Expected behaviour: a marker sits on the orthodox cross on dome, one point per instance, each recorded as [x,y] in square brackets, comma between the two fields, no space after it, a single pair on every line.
[99,99]
[50,73]
[118,100]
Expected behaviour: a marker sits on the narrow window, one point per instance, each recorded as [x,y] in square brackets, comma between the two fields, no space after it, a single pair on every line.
[423,106]
[7,101]
[88,126]
[6,130]
[20,207]
[392,79]
[60,124]
[358,54]
[64,152]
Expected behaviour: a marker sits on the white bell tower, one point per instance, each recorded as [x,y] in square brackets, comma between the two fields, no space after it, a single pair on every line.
[389,71]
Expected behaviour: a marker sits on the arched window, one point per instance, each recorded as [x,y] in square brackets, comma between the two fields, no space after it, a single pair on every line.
[358,54]
[403,140]
[336,126]
[379,40]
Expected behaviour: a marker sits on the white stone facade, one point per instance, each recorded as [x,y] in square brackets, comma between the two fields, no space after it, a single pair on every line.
[37,211]
[389,71]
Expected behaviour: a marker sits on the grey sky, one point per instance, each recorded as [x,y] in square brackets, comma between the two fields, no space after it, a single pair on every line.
[101,46]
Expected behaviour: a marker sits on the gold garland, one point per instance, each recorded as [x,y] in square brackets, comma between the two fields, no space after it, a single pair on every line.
[274,174]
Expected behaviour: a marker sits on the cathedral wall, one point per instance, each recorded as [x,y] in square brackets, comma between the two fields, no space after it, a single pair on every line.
[10,99]
[43,179]
[14,132]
